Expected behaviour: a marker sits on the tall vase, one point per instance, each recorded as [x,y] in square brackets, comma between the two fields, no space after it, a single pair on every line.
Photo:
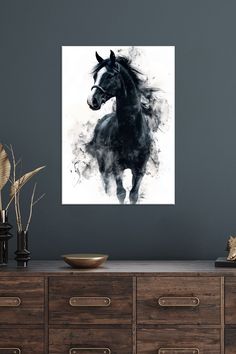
[5,235]
[22,253]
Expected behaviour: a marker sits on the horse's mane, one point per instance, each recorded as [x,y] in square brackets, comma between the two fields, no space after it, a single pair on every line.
[151,104]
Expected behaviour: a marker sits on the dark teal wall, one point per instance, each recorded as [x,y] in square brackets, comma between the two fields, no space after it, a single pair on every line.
[31,35]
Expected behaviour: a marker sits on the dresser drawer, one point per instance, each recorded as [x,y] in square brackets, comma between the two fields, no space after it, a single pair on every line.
[178,300]
[90,300]
[230,301]
[230,340]
[21,341]
[90,341]
[178,341]
[21,300]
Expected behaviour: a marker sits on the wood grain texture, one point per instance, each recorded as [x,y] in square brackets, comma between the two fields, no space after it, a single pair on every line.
[121,268]
[118,290]
[134,322]
[31,294]
[117,340]
[222,315]
[124,324]
[149,341]
[46,314]
[230,301]
[29,340]
[230,340]
[207,290]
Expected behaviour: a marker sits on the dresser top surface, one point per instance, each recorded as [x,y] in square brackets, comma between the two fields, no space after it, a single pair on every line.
[123,268]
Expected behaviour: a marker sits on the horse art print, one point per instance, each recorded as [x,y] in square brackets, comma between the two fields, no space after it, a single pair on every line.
[118,125]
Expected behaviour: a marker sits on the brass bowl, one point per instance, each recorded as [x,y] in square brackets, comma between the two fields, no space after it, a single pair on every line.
[84,260]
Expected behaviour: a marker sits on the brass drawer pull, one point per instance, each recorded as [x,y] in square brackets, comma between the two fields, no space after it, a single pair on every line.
[178,351]
[9,302]
[10,351]
[90,351]
[169,301]
[90,301]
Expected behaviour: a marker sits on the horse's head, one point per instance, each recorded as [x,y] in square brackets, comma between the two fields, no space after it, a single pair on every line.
[231,247]
[107,81]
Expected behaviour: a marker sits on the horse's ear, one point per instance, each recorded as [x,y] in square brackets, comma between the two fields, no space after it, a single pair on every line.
[99,59]
[112,57]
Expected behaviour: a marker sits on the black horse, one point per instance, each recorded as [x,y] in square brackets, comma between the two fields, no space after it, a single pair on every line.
[122,139]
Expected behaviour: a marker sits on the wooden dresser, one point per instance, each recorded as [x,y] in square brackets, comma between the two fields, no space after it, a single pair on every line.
[125,307]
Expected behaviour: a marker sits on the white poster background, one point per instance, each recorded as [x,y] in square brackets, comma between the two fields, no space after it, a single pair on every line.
[158,64]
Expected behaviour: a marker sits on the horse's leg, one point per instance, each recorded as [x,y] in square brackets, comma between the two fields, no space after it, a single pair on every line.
[120,191]
[136,181]
[106,180]
[103,171]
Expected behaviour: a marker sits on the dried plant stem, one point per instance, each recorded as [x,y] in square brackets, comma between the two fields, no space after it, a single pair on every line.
[16,196]
[0,200]
[16,186]
[39,198]
[18,208]
[5,171]
[31,208]
[12,182]
[9,203]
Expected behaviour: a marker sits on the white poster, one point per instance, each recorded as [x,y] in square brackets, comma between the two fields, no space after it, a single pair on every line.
[118,125]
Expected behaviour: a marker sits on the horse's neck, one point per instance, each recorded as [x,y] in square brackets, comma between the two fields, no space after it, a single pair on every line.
[128,103]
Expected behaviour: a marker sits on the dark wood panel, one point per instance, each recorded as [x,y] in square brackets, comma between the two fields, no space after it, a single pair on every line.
[118,290]
[230,301]
[30,292]
[28,340]
[149,341]
[117,340]
[88,322]
[121,268]
[230,340]
[150,309]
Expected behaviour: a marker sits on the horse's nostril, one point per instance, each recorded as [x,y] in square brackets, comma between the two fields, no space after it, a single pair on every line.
[95,102]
